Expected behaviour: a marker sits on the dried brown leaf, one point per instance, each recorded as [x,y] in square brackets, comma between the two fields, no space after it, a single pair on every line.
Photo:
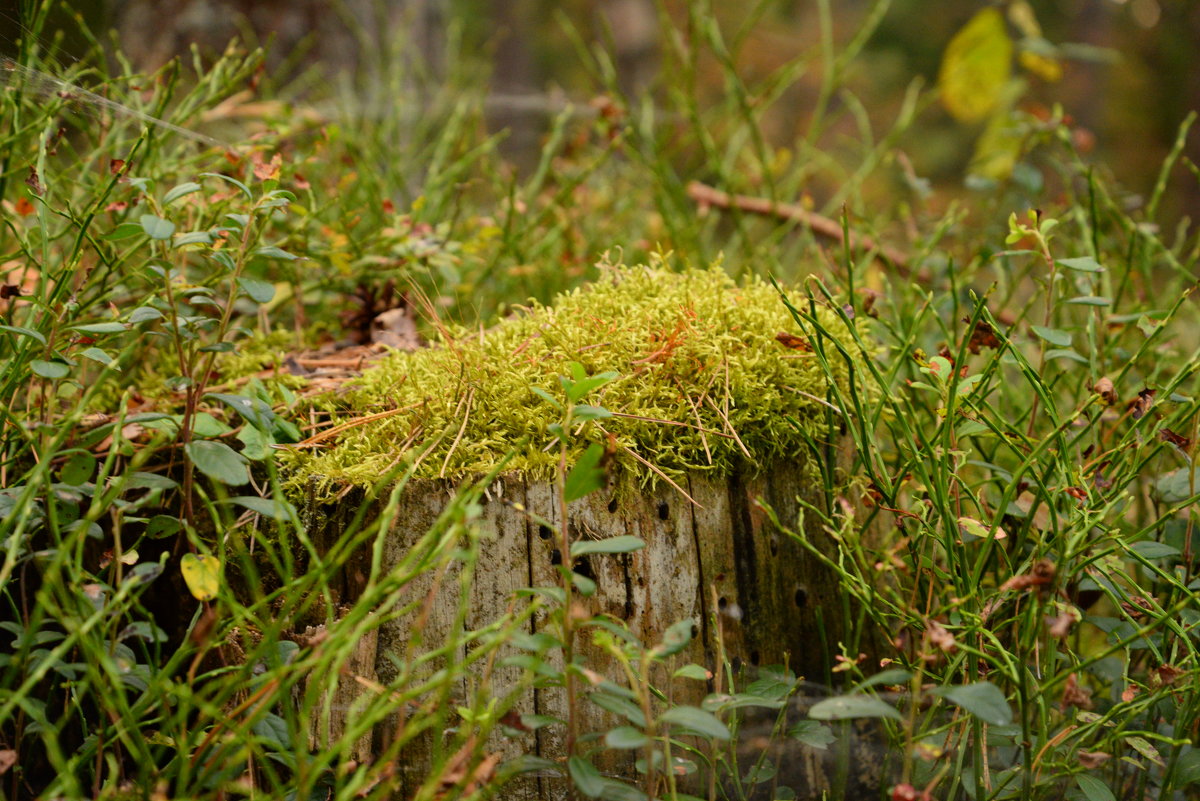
[1140,405]
[982,336]
[1105,389]
[1075,695]
[1178,440]
[792,341]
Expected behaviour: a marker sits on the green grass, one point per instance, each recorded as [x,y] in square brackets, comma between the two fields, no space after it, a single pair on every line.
[1016,517]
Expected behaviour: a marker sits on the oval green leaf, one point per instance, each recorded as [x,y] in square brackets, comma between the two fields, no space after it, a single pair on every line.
[219,462]
[625,543]
[982,699]
[156,227]
[842,707]
[696,720]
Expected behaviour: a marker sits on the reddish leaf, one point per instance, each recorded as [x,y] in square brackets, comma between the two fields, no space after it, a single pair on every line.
[1043,573]
[1142,403]
[1178,440]
[982,336]
[792,341]
[1075,696]
[33,183]
[267,170]
[1090,760]
[24,206]
[116,165]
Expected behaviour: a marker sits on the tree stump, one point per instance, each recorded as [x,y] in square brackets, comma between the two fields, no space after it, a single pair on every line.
[719,562]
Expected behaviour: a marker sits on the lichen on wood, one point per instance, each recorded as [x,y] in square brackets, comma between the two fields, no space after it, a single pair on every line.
[703,384]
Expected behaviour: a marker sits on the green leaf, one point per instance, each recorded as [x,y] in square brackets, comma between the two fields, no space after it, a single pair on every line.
[1143,747]
[546,396]
[693,671]
[675,639]
[587,475]
[619,706]
[256,445]
[1065,353]
[274,730]
[258,291]
[25,332]
[774,681]
[626,543]
[98,355]
[586,586]
[583,413]
[254,411]
[123,231]
[267,507]
[625,737]
[162,526]
[1094,789]
[811,733]
[1083,264]
[156,227]
[228,179]
[893,676]
[1150,550]
[696,720]
[581,384]
[144,314]
[1054,336]
[101,328]
[193,238]
[976,67]
[52,370]
[153,481]
[78,469]
[1090,300]
[982,699]
[179,191]
[841,707]
[272,252]
[219,462]
[585,776]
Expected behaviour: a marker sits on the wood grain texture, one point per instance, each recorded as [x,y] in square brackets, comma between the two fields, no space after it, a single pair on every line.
[753,593]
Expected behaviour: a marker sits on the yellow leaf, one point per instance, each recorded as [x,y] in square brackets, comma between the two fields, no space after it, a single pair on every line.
[1046,68]
[975,67]
[997,149]
[202,574]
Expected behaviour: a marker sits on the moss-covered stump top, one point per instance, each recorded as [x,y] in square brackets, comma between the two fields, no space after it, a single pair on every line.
[704,383]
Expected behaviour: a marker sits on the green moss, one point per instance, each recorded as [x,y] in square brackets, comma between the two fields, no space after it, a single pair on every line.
[690,348]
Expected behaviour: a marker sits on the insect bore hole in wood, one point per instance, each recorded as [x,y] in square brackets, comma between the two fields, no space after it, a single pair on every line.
[612,505]
[801,597]
[664,511]
[544,532]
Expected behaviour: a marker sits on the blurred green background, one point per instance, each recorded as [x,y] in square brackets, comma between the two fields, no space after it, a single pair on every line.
[1131,68]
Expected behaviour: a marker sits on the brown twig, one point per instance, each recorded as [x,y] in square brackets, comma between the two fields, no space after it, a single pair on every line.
[821,225]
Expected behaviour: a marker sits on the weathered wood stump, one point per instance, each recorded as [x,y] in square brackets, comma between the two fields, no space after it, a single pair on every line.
[719,562]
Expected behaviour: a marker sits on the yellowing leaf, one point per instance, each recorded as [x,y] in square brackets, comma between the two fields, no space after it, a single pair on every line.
[975,67]
[998,148]
[1046,68]
[202,574]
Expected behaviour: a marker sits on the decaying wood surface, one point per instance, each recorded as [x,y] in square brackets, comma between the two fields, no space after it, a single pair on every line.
[720,563]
